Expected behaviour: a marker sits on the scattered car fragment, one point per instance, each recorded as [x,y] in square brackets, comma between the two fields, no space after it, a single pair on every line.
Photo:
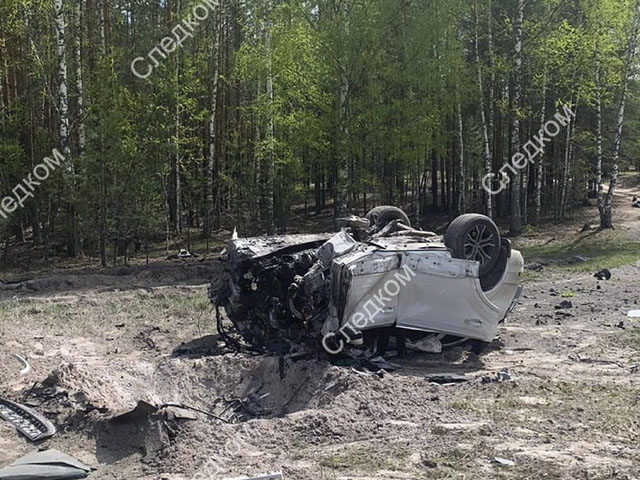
[603,274]
[504,462]
[563,305]
[281,292]
[498,377]
[31,424]
[444,378]
[26,367]
[265,476]
[46,465]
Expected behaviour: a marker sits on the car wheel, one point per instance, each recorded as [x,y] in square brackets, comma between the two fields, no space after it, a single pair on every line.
[474,237]
[382,215]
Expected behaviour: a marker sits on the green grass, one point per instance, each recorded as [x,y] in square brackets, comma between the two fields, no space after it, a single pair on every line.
[605,249]
[365,460]
[91,315]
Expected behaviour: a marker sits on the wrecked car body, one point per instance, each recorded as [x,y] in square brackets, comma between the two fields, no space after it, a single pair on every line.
[377,276]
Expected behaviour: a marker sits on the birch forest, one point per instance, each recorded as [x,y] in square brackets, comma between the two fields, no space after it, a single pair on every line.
[262,112]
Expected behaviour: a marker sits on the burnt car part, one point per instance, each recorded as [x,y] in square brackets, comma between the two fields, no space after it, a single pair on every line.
[26,367]
[47,465]
[284,291]
[380,216]
[30,423]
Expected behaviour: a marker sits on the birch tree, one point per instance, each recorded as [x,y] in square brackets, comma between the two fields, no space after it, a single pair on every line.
[2,121]
[540,160]
[63,100]
[598,99]
[270,133]
[486,150]
[605,205]
[516,218]
[460,180]
[213,106]
[79,121]
[63,115]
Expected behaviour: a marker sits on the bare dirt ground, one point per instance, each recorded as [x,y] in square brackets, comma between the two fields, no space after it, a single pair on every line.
[99,343]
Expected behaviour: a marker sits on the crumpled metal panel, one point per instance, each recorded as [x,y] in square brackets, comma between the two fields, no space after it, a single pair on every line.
[48,465]
[31,424]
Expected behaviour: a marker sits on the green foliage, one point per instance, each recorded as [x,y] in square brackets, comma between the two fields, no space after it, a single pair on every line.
[366,88]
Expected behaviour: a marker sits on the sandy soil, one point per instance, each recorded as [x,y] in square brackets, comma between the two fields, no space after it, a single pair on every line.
[98,344]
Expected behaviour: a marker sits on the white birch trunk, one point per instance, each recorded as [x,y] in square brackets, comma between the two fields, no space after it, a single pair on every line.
[2,123]
[176,173]
[63,101]
[606,218]
[599,187]
[539,164]
[492,82]
[460,174]
[516,218]
[342,158]
[79,82]
[566,168]
[73,243]
[486,152]
[270,134]
[211,152]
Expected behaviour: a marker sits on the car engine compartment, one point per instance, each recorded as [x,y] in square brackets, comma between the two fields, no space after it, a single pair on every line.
[288,294]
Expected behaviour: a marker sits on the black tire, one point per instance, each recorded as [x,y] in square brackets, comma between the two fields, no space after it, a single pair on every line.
[382,215]
[474,237]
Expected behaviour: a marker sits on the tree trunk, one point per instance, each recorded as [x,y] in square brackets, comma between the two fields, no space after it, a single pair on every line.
[460,200]
[566,169]
[79,83]
[2,122]
[270,137]
[63,102]
[102,13]
[486,151]
[434,178]
[599,187]
[63,112]
[342,158]
[492,83]
[605,208]
[176,163]
[211,158]
[539,167]
[79,121]
[516,219]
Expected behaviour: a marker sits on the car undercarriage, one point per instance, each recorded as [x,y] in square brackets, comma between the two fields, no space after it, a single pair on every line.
[350,291]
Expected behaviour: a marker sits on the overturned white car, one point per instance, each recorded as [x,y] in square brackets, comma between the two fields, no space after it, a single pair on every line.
[376,278]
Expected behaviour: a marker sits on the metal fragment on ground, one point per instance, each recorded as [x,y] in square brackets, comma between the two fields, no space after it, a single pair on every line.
[501,376]
[264,476]
[603,274]
[30,423]
[447,378]
[504,462]
[27,367]
[46,465]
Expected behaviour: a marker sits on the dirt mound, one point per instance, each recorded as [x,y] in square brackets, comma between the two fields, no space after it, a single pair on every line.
[190,272]
[125,407]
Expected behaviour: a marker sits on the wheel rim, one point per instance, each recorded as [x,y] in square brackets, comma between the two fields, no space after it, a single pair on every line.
[479,244]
